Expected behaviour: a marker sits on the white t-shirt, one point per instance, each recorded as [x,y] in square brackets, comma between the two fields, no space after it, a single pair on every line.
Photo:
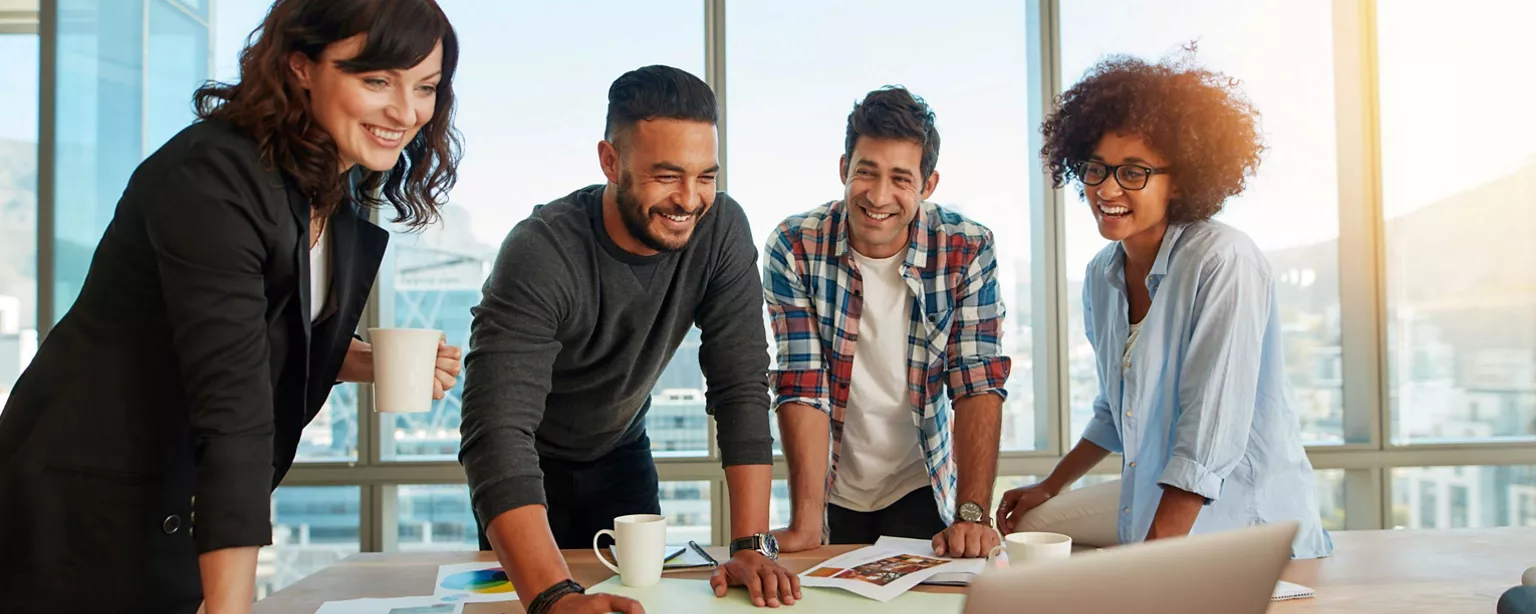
[881,460]
[320,274]
[1130,341]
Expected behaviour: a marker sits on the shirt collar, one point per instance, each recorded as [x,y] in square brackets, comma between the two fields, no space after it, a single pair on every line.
[1114,273]
[919,234]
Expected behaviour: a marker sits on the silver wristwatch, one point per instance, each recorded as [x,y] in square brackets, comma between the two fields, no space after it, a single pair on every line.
[763,543]
[970,511]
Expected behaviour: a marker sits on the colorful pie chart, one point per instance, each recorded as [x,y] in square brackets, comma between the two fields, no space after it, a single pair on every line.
[487,581]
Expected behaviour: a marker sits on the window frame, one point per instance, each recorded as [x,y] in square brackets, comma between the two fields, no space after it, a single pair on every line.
[1367,462]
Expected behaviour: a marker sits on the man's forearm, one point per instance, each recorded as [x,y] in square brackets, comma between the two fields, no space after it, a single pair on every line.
[1176,513]
[751,488]
[978,428]
[1078,462]
[526,549]
[806,434]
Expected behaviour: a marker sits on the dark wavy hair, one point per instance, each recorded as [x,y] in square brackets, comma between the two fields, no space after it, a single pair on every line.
[272,108]
[892,112]
[1198,119]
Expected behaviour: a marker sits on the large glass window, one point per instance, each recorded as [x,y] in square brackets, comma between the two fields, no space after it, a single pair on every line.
[1283,55]
[1459,197]
[1462,497]
[99,130]
[178,55]
[796,68]
[18,206]
[438,516]
[531,109]
[435,517]
[312,527]
[126,72]
[687,507]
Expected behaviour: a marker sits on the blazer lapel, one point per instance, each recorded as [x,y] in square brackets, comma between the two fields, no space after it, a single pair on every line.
[357,247]
[299,204]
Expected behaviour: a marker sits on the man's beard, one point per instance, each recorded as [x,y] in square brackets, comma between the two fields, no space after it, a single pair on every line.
[638,221]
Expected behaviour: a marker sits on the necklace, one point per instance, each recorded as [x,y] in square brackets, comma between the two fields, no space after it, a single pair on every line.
[318,223]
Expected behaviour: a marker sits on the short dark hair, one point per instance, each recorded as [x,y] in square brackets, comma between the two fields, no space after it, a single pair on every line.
[892,112]
[657,91]
[1198,119]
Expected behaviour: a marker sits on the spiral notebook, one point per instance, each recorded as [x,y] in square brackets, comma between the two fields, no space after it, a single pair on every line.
[1285,591]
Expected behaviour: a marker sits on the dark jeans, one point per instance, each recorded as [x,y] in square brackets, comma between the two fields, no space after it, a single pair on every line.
[915,515]
[585,497]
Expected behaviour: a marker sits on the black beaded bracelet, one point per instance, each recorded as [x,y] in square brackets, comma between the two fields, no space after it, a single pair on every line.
[546,600]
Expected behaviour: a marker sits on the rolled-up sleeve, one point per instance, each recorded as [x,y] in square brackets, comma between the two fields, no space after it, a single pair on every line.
[974,355]
[799,373]
[1218,381]
[1101,430]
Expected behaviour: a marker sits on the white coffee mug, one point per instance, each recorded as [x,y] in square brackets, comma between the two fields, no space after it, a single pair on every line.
[404,366]
[1032,547]
[641,544]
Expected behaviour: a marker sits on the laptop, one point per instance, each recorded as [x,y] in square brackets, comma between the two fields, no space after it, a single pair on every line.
[1231,572]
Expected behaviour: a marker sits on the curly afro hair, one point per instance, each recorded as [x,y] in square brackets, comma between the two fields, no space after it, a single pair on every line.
[1198,119]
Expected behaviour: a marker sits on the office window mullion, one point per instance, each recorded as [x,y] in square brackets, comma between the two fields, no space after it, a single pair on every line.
[1048,292]
[1366,499]
[1363,341]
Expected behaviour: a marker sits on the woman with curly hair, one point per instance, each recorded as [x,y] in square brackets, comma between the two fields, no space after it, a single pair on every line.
[1180,310]
[139,450]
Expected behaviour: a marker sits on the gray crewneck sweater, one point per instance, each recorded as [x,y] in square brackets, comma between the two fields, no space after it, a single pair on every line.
[572,333]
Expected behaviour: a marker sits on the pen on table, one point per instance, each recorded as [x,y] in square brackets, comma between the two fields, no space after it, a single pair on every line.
[700,550]
[673,555]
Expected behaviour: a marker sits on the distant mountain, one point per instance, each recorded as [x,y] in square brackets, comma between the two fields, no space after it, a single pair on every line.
[1466,265]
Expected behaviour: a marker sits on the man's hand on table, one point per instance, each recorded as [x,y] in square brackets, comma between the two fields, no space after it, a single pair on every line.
[768,583]
[595,603]
[966,540]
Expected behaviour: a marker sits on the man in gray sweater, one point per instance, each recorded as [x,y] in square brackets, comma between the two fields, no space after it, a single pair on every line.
[589,299]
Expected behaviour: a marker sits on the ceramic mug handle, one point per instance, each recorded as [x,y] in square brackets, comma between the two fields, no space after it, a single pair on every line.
[600,558]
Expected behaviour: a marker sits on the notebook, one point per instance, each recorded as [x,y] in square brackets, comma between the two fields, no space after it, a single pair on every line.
[690,559]
[1285,591]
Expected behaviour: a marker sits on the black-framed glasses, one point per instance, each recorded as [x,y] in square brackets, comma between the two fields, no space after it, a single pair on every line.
[1129,176]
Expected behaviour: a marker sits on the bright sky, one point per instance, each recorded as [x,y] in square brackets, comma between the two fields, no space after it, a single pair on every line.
[531,105]
[18,79]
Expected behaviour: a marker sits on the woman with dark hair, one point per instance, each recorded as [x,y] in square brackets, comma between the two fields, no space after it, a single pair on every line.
[139,450]
[1181,312]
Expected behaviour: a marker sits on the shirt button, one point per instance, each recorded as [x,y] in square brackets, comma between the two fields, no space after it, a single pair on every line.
[1133,463]
[1126,510]
[1130,414]
[171,524]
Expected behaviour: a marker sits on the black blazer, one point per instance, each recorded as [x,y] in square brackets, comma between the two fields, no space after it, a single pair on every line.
[160,413]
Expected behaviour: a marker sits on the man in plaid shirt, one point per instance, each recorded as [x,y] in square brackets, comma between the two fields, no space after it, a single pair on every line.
[888,320]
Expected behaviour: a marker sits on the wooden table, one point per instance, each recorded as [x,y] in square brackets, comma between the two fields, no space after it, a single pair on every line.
[1440,572]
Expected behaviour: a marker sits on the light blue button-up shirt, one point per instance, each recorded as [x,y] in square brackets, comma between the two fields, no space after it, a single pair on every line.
[1201,402]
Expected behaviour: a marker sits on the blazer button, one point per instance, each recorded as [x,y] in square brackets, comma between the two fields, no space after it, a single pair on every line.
[171,525]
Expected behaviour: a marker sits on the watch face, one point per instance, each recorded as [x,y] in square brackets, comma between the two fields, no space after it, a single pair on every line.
[970,512]
[771,546]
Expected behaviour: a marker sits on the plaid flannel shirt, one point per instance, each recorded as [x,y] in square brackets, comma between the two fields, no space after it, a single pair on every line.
[814,294]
